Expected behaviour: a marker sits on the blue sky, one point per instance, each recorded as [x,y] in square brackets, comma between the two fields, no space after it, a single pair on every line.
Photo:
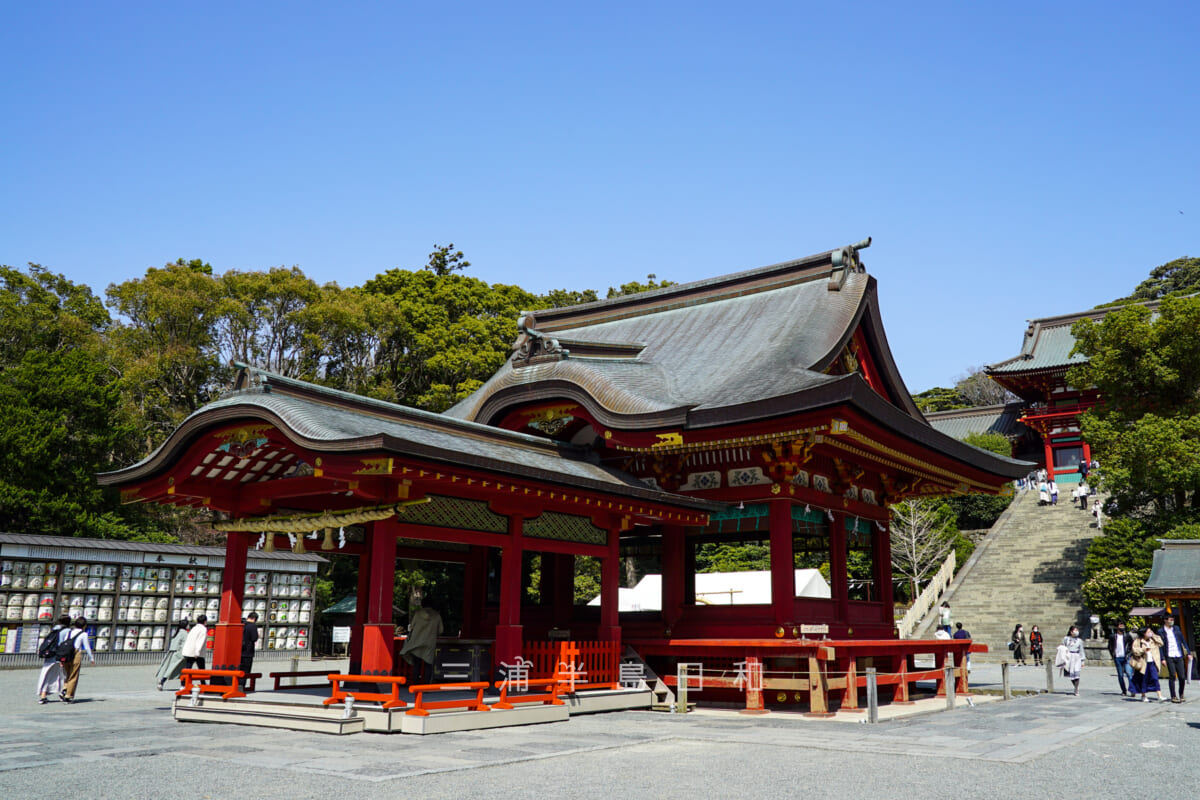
[1010,161]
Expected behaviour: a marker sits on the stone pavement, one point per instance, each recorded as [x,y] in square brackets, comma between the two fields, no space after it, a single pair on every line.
[119,741]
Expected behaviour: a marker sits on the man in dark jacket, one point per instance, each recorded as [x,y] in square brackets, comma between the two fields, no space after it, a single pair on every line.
[1174,656]
[249,639]
[1120,645]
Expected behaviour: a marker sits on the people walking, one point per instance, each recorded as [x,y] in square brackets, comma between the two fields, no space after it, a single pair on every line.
[1035,646]
[51,677]
[1073,657]
[194,646]
[1175,656]
[944,617]
[172,661]
[1120,647]
[1043,493]
[79,638]
[1053,493]
[1146,663]
[1019,644]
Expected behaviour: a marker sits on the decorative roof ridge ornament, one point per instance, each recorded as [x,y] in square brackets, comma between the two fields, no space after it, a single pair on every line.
[533,346]
[845,261]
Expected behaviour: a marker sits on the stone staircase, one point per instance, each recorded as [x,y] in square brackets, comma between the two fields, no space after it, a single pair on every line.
[1027,569]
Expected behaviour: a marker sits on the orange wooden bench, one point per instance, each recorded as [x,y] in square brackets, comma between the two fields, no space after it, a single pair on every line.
[194,679]
[548,698]
[421,707]
[312,673]
[339,693]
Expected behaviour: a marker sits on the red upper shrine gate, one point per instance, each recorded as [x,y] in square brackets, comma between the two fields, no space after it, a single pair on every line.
[761,407]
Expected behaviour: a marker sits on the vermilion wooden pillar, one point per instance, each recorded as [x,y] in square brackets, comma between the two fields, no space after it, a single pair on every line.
[227,639]
[783,569]
[672,574]
[508,629]
[379,632]
[360,611]
[837,566]
[1049,458]
[883,572]
[610,588]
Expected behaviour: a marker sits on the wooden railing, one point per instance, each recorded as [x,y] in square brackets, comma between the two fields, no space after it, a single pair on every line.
[339,692]
[194,680]
[576,665]
[925,600]
[421,706]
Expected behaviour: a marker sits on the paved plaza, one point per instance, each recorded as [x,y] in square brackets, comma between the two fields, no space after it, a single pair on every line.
[119,741]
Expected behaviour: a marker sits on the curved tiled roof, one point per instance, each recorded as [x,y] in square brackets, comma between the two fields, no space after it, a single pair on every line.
[327,420]
[724,343]
[961,422]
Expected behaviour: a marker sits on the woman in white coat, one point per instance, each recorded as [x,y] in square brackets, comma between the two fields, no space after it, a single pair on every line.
[194,646]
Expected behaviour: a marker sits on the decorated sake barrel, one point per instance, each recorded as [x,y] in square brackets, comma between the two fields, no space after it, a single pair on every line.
[106,602]
[151,586]
[306,591]
[73,612]
[6,566]
[29,613]
[189,575]
[109,584]
[137,585]
[111,570]
[164,574]
[139,572]
[13,613]
[179,587]
[248,590]
[50,582]
[144,639]
[189,588]
[125,584]
[293,616]
[148,614]
[131,638]
[6,579]
[104,614]
[291,643]
[102,644]
[161,614]
[81,583]
[72,569]
[31,600]
[135,602]
[92,601]
[45,613]
[33,582]
[127,571]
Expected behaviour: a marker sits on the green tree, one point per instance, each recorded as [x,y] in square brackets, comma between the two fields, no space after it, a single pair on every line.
[992,442]
[1146,429]
[1181,276]
[635,287]
[939,398]
[1112,593]
[733,557]
[61,414]
[166,348]
[451,332]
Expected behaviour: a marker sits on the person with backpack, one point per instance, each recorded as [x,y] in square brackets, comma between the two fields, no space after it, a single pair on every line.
[51,676]
[73,643]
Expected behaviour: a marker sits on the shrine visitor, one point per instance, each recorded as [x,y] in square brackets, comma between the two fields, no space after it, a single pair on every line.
[1073,657]
[50,679]
[172,661]
[79,637]
[423,631]
[195,644]
[1146,661]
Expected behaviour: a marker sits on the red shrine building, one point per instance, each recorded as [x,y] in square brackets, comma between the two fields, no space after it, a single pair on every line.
[1050,407]
[762,407]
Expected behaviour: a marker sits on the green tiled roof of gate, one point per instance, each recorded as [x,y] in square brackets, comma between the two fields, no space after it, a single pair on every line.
[1176,568]
[959,423]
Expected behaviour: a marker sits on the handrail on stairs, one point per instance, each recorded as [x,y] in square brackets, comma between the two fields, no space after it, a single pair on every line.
[928,596]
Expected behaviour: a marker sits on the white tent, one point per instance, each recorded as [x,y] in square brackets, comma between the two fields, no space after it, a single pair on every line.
[720,589]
